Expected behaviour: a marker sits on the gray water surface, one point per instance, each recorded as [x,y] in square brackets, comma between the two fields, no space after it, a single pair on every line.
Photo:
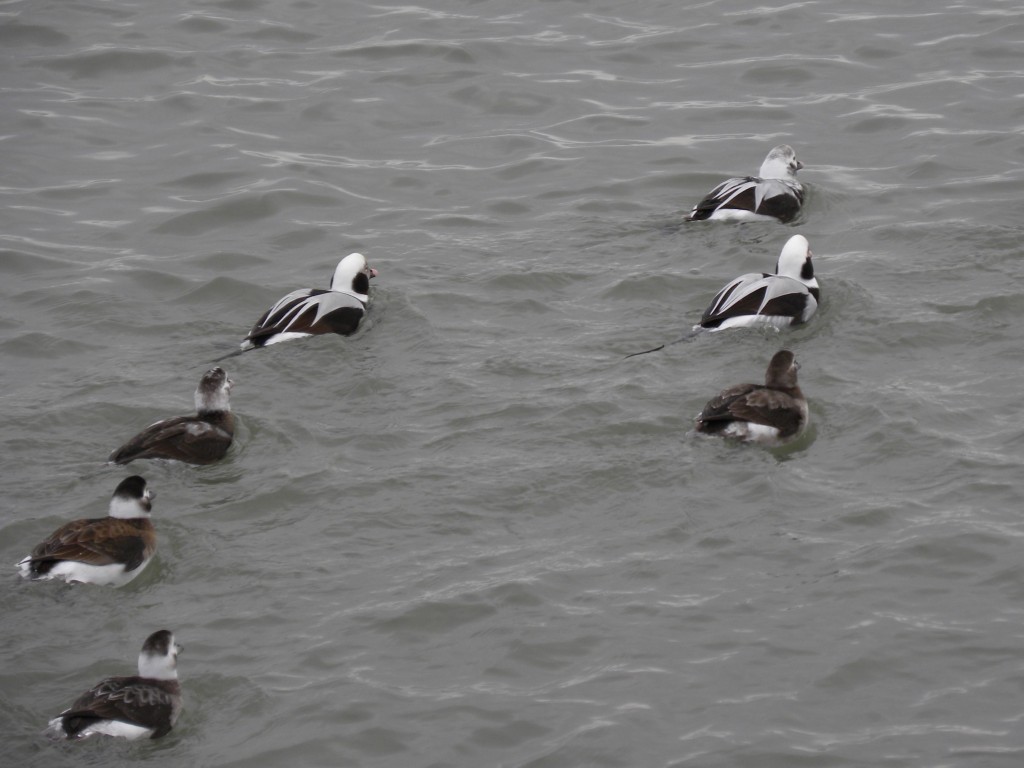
[474,534]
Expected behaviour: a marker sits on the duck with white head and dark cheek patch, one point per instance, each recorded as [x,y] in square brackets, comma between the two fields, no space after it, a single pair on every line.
[141,706]
[772,413]
[773,194]
[788,297]
[199,439]
[313,311]
[110,550]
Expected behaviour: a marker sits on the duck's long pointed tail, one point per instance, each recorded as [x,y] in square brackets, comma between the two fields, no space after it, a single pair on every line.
[233,353]
[687,337]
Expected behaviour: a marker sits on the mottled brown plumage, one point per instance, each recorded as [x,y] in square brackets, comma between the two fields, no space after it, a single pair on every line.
[104,550]
[200,439]
[139,706]
[192,439]
[98,541]
[773,412]
[134,700]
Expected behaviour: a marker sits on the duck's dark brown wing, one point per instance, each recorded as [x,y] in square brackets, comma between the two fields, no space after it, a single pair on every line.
[770,407]
[717,414]
[101,541]
[719,408]
[313,312]
[190,439]
[147,703]
[278,317]
[765,197]
[736,193]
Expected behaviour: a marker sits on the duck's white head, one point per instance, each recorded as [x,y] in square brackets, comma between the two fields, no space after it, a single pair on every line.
[352,275]
[212,392]
[781,163]
[132,498]
[159,657]
[795,261]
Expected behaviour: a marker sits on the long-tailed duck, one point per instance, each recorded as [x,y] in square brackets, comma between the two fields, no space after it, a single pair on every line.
[200,439]
[136,707]
[312,311]
[773,194]
[771,413]
[788,297]
[110,550]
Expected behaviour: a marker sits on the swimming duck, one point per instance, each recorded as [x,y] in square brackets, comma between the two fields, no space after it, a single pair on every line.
[788,297]
[110,550]
[773,194]
[772,413]
[199,439]
[146,705]
[311,311]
